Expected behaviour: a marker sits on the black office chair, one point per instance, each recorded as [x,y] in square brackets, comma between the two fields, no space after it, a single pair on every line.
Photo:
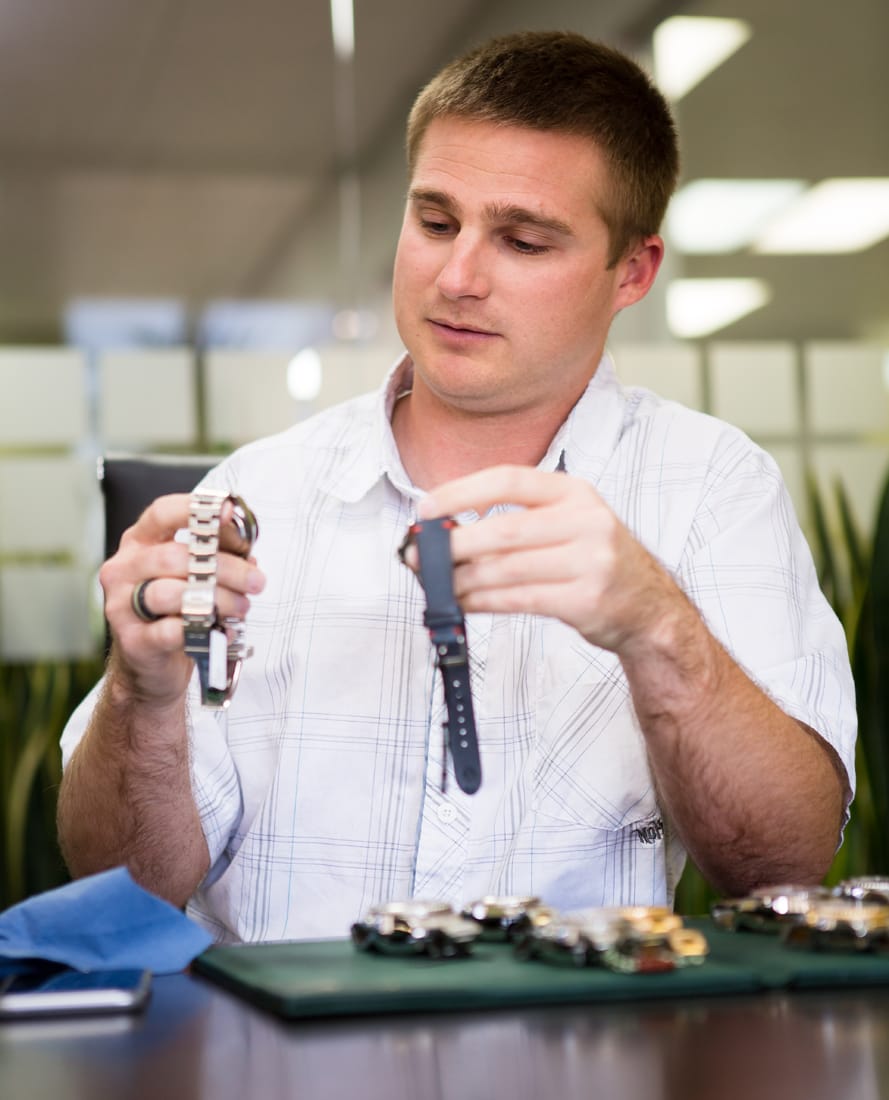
[131,482]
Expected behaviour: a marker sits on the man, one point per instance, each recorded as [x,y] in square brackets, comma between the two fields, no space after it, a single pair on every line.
[653,667]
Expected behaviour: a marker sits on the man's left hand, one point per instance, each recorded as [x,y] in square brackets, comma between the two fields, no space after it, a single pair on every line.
[562,553]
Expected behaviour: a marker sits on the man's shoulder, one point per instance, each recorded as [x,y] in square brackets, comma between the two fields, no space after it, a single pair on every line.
[311,452]
[340,427]
[685,428]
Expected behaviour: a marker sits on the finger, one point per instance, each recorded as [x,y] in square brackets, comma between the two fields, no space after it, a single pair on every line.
[503,532]
[140,605]
[164,559]
[480,491]
[548,565]
[163,596]
[555,600]
[142,641]
[411,555]
[239,575]
[161,519]
[171,560]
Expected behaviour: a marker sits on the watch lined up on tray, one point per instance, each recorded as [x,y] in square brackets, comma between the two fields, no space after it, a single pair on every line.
[625,939]
[851,917]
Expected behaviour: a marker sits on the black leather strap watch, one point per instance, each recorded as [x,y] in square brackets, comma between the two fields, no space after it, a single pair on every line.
[444,621]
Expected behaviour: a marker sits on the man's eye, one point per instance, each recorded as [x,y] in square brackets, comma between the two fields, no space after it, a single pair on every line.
[526,247]
[436,228]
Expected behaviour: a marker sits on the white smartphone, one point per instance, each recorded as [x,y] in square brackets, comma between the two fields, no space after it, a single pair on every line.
[73,992]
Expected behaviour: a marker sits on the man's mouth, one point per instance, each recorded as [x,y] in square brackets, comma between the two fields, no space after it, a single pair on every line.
[459,327]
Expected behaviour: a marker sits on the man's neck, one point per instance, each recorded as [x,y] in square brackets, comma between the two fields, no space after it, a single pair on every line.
[438,442]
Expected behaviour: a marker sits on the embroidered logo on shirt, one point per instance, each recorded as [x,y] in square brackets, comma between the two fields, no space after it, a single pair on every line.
[651,832]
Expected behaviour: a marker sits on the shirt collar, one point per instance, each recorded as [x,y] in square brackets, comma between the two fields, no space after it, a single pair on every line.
[582,446]
[375,455]
[586,440]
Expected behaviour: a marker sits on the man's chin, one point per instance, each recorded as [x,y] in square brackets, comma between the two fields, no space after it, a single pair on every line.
[477,400]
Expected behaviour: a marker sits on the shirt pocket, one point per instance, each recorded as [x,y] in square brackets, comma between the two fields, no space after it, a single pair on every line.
[598,837]
[590,765]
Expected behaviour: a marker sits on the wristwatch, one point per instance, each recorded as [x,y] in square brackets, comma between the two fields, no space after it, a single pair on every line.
[841,924]
[216,645]
[415,927]
[768,908]
[447,631]
[626,939]
[508,917]
[864,888]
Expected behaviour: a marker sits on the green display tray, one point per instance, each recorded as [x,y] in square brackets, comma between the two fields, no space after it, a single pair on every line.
[332,978]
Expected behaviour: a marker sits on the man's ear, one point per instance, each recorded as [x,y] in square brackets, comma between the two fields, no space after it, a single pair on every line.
[637,271]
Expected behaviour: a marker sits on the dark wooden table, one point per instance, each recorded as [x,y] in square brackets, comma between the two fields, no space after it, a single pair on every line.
[196,1041]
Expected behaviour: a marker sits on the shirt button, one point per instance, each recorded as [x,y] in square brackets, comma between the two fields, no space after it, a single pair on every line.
[446,813]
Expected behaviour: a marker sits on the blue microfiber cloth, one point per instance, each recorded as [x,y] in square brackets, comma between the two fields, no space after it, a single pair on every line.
[102,922]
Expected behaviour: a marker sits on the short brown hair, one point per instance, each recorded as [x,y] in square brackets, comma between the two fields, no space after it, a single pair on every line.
[550,80]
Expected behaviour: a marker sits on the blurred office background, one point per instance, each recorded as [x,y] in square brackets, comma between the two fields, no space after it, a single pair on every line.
[200,199]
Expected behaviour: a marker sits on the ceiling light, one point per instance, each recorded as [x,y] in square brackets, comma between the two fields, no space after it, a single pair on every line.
[717,216]
[342,22]
[688,47]
[837,215]
[304,375]
[697,307]
[354,324]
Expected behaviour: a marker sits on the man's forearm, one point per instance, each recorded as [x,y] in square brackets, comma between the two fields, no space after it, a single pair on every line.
[126,797]
[756,797]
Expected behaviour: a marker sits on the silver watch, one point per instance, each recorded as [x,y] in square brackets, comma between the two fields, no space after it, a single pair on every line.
[508,917]
[216,645]
[768,908]
[415,927]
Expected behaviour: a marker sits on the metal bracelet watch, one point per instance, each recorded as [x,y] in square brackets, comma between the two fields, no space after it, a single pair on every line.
[216,645]
[841,924]
[444,621]
[767,908]
[624,939]
[864,888]
[508,917]
[415,927]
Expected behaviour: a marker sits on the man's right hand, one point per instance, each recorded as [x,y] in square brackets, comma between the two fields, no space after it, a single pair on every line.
[149,657]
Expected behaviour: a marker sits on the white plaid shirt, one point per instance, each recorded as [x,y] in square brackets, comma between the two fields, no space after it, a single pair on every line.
[320,788]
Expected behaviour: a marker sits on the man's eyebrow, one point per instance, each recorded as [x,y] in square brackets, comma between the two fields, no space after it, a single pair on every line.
[498,213]
[436,198]
[520,215]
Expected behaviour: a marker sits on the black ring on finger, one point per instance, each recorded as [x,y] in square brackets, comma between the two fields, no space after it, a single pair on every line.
[142,610]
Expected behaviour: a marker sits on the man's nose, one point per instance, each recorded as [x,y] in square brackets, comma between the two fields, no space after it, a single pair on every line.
[464,273]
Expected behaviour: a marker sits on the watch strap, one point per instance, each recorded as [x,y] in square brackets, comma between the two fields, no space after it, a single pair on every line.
[447,631]
[215,645]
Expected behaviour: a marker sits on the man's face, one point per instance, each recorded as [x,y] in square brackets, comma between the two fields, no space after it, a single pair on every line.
[501,288]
